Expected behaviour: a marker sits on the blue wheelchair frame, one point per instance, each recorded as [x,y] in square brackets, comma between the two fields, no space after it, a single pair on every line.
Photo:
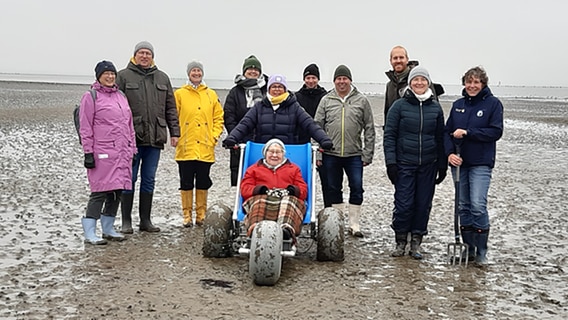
[303,155]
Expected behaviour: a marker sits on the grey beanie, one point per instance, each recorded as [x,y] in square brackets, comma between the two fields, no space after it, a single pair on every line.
[419,71]
[144,45]
[195,64]
[271,142]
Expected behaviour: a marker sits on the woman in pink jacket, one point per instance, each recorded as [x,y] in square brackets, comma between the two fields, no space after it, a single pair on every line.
[108,139]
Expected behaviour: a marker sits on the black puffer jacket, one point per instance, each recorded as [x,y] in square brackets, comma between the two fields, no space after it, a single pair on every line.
[414,132]
[282,123]
[235,108]
[151,99]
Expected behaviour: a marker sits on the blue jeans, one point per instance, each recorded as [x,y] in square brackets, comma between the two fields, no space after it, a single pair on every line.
[334,168]
[414,190]
[147,161]
[474,187]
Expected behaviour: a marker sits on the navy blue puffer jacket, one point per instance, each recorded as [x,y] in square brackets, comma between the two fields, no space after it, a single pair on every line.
[413,132]
[282,123]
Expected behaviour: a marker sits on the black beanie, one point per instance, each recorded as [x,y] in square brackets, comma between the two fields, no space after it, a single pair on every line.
[342,70]
[252,62]
[313,70]
[102,67]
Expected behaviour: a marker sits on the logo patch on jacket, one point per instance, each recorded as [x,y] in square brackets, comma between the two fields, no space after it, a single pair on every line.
[480,113]
[460,110]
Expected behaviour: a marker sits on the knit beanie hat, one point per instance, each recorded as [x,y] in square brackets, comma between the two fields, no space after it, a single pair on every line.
[419,71]
[313,70]
[252,62]
[195,64]
[144,45]
[102,67]
[271,142]
[277,78]
[342,70]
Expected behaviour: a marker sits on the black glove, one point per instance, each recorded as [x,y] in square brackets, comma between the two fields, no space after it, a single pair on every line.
[260,190]
[326,145]
[442,172]
[392,172]
[229,142]
[293,190]
[89,160]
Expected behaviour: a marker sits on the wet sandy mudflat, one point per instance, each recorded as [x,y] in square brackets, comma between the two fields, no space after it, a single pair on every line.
[46,272]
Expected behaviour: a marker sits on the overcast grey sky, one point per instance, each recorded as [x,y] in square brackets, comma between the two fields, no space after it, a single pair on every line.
[518,42]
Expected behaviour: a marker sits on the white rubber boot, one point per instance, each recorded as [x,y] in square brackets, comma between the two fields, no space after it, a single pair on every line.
[354,213]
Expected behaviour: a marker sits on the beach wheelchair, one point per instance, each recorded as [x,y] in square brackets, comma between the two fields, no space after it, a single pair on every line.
[225,234]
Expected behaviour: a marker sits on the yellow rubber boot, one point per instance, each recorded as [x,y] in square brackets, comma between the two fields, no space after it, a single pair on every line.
[200,206]
[187,207]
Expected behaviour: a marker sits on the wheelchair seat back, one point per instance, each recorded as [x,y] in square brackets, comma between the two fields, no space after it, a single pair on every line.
[299,154]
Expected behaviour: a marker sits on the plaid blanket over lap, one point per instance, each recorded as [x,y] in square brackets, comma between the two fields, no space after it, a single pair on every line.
[288,211]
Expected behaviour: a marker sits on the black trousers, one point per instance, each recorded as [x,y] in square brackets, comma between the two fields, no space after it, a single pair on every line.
[194,174]
[109,199]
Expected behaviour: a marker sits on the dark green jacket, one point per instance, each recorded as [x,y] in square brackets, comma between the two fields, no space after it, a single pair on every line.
[151,99]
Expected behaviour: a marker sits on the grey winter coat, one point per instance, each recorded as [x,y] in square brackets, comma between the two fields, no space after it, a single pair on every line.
[345,121]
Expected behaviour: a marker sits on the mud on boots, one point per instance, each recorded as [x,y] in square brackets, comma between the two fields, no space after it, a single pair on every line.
[107,223]
[401,240]
[145,210]
[480,238]
[89,228]
[415,242]
[200,206]
[354,215]
[126,201]
[187,207]
[467,234]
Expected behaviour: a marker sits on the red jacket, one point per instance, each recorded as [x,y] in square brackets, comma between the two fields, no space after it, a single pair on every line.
[260,175]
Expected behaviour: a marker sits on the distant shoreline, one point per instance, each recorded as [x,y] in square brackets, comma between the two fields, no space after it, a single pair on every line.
[453,92]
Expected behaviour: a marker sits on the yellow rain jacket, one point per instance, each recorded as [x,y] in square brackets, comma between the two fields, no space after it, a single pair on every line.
[200,121]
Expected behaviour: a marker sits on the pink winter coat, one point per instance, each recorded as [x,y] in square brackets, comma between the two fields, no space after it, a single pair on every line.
[107,131]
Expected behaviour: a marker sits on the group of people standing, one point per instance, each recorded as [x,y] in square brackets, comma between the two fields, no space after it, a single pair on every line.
[125,126]
[418,147]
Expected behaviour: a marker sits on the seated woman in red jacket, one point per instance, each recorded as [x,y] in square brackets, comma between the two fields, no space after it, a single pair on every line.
[273,189]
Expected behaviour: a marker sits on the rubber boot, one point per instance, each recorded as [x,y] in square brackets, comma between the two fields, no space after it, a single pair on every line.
[89,228]
[200,206]
[415,241]
[187,207]
[401,241]
[107,222]
[354,214]
[467,234]
[145,209]
[480,238]
[126,209]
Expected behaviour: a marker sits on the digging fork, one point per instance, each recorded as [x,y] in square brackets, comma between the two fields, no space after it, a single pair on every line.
[457,251]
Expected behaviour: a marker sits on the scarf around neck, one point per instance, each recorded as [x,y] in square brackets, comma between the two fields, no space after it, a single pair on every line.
[252,87]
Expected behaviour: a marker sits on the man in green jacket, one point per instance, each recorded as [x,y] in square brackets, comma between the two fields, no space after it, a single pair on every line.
[151,99]
[345,115]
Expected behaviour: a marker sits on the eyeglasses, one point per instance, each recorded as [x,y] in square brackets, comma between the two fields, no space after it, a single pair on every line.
[274,151]
[276,86]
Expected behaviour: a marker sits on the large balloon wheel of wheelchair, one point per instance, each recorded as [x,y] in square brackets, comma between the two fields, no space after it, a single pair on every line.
[330,235]
[265,259]
[217,228]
